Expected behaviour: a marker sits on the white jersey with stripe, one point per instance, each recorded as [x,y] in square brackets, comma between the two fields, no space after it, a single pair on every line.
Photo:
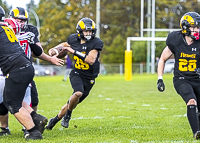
[24,44]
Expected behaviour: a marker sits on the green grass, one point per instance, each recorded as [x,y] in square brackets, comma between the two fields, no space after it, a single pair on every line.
[115,111]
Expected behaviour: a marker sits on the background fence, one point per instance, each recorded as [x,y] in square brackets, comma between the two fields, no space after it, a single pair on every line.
[104,69]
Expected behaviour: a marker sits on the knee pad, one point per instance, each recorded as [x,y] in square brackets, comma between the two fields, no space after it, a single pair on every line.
[3,109]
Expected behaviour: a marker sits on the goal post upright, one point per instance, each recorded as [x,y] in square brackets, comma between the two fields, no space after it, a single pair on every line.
[128,53]
[151,29]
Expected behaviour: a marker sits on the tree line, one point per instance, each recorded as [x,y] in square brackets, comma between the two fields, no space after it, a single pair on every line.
[119,19]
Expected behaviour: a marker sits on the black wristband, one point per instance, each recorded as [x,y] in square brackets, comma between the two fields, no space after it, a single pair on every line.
[80,55]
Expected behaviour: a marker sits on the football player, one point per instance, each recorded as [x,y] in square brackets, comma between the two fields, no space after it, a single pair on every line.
[86,49]
[21,16]
[28,46]
[185,46]
[27,98]
[19,73]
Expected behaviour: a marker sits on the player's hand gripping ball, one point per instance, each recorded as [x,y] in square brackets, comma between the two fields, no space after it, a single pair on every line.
[58,50]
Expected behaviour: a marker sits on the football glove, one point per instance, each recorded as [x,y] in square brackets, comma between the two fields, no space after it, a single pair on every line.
[160,85]
[30,37]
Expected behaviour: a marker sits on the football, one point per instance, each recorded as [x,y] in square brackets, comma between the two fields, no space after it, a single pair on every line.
[59,50]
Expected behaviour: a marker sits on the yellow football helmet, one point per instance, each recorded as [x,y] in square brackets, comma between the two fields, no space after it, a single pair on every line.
[189,19]
[86,24]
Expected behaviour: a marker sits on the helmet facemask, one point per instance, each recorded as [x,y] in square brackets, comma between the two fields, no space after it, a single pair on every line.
[23,24]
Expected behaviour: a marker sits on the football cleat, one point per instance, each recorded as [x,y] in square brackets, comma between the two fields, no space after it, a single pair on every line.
[40,122]
[50,124]
[4,132]
[34,135]
[65,121]
[197,135]
[26,133]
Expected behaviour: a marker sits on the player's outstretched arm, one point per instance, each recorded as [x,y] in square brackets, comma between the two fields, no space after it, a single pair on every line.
[54,60]
[39,53]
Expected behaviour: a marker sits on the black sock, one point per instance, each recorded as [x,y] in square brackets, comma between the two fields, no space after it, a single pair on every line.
[193,118]
[55,120]
[32,129]
[33,113]
[69,113]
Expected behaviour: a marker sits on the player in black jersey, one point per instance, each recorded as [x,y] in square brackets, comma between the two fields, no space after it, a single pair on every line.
[85,48]
[21,15]
[28,45]
[20,72]
[185,45]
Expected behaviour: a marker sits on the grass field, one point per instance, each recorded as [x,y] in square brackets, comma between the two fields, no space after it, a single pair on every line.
[115,111]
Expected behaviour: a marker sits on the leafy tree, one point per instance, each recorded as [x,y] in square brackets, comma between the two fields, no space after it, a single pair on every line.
[32,8]
[5,6]
[119,19]
[59,20]
[122,23]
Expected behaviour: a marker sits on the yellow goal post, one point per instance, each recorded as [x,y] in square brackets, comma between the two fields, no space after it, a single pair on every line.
[128,53]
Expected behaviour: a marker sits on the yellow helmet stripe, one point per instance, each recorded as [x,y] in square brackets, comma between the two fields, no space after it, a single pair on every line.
[81,24]
[16,12]
[93,25]
[26,14]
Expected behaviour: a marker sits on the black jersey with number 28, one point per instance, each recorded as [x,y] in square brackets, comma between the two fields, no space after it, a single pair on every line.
[186,56]
[83,68]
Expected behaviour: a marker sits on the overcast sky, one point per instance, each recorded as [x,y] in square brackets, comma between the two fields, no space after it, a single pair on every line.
[19,3]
